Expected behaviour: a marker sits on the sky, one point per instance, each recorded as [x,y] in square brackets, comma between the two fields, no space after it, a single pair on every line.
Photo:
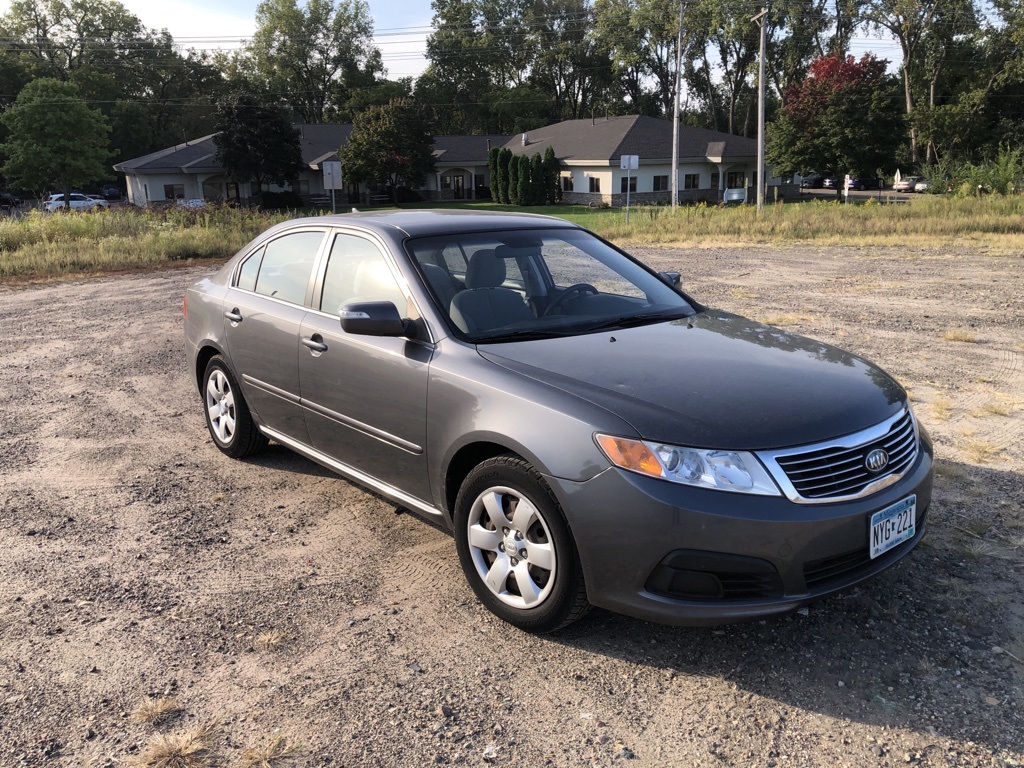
[400,26]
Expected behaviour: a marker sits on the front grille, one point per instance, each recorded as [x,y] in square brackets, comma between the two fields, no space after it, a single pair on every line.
[839,471]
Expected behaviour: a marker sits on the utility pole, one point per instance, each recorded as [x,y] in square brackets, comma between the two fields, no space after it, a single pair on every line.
[675,112]
[762,19]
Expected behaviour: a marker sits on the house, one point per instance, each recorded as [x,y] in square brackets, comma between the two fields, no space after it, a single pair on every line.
[589,153]
[191,170]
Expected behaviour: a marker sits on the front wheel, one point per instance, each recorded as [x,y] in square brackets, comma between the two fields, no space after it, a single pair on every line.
[515,547]
[227,415]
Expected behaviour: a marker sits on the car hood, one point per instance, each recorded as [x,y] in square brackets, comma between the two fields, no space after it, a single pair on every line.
[715,380]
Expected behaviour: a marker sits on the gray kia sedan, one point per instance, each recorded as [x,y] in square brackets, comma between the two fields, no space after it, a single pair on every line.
[591,434]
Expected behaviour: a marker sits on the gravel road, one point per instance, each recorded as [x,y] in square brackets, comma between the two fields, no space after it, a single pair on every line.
[271,598]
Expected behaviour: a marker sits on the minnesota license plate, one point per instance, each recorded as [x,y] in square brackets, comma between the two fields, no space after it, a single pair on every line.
[893,525]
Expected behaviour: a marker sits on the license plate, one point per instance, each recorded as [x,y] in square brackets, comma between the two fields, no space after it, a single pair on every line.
[893,525]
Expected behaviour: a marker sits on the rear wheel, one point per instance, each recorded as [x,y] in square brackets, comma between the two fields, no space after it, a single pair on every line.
[515,547]
[227,416]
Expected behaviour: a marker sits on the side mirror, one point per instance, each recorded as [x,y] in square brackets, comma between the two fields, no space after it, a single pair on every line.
[373,318]
[673,278]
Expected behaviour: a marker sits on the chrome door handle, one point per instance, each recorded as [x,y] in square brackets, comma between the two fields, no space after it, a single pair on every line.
[314,343]
[233,315]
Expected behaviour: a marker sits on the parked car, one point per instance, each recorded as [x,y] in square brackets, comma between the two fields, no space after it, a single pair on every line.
[590,433]
[814,180]
[78,202]
[862,182]
[906,184]
[829,182]
[111,192]
[9,201]
[734,195]
[921,186]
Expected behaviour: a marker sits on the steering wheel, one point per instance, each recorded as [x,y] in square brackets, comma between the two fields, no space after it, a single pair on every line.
[577,289]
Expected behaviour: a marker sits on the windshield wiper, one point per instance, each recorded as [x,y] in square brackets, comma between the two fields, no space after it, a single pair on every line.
[631,321]
[524,334]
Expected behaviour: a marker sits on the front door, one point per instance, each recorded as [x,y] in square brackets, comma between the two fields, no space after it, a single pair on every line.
[459,184]
[365,397]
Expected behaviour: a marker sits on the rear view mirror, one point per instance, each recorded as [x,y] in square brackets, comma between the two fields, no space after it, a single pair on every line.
[373,318]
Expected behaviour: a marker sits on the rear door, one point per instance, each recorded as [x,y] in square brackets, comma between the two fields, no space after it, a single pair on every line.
[365,397]
[264,309]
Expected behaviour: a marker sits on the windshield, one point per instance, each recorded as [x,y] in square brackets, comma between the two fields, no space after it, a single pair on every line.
[495,286]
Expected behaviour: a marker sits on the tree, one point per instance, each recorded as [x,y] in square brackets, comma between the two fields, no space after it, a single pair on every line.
[841,118]
[255,142]
[552,171]
[492,170]
[504,175]
[55,138]
[389,145]
[538,188]
[523,181]
[312,58]
[513,179]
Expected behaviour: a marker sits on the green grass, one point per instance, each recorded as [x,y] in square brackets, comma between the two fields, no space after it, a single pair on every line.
[46,245]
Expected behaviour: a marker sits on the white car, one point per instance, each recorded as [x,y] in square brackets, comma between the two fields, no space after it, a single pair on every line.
[906,184]
[921,186]
[78,202]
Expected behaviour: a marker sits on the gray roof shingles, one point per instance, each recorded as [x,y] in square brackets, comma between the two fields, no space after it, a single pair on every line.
[607,139]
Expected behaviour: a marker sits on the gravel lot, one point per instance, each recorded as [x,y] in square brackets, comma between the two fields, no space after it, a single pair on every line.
[270,597]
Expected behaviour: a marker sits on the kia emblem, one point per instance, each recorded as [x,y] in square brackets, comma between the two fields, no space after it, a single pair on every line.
[876,460]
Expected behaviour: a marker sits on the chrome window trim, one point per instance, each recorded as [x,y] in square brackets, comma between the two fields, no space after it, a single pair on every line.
[769,458]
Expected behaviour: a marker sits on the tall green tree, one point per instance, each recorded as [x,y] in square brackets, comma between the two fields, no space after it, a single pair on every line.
[552,171]
[312,58]
[256,143]
[390,145]
[841,118]
[55,138]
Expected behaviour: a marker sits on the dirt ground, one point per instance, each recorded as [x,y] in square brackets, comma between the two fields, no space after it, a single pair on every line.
[272,598]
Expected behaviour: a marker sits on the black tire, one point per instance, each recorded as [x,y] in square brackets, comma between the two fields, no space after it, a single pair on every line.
[227,416]
[552,593]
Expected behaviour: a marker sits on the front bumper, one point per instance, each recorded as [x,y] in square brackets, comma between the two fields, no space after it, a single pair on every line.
[679,555]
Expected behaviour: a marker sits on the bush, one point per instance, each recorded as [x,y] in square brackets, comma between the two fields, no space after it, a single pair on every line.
[279,201]
[406,195]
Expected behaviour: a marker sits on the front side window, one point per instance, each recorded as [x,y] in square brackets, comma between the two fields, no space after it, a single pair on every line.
[358,271]
[286,265]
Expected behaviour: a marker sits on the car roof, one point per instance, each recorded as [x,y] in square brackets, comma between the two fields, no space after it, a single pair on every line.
[424,223]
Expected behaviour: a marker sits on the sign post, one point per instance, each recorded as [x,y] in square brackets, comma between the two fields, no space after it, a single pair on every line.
[332,179]
[629,163]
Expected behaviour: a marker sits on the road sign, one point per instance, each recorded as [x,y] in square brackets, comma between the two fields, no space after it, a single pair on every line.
[629,162]
[332,174]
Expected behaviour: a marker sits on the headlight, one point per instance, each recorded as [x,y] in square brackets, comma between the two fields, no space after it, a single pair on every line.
[736,471]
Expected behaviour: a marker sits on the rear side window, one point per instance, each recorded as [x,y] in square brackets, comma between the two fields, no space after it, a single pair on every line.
[286,266]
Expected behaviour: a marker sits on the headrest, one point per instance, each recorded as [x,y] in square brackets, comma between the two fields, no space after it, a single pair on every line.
[485,270]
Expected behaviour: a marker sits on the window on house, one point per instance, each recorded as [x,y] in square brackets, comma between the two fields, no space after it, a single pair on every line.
[174,191]
[736,180]
[632,184]
[714,180]
[595,184]
[567,183]
[691,181]
[661,183]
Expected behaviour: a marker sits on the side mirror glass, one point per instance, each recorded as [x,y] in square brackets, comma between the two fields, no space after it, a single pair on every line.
[373,318]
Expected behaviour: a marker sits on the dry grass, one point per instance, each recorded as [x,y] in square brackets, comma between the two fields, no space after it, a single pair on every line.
[941,408]
[154,711]
[742,293]
[185,749]
[976,549]
[958,334]
[790,318]
[269,641]
[981,451]
[276,753]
